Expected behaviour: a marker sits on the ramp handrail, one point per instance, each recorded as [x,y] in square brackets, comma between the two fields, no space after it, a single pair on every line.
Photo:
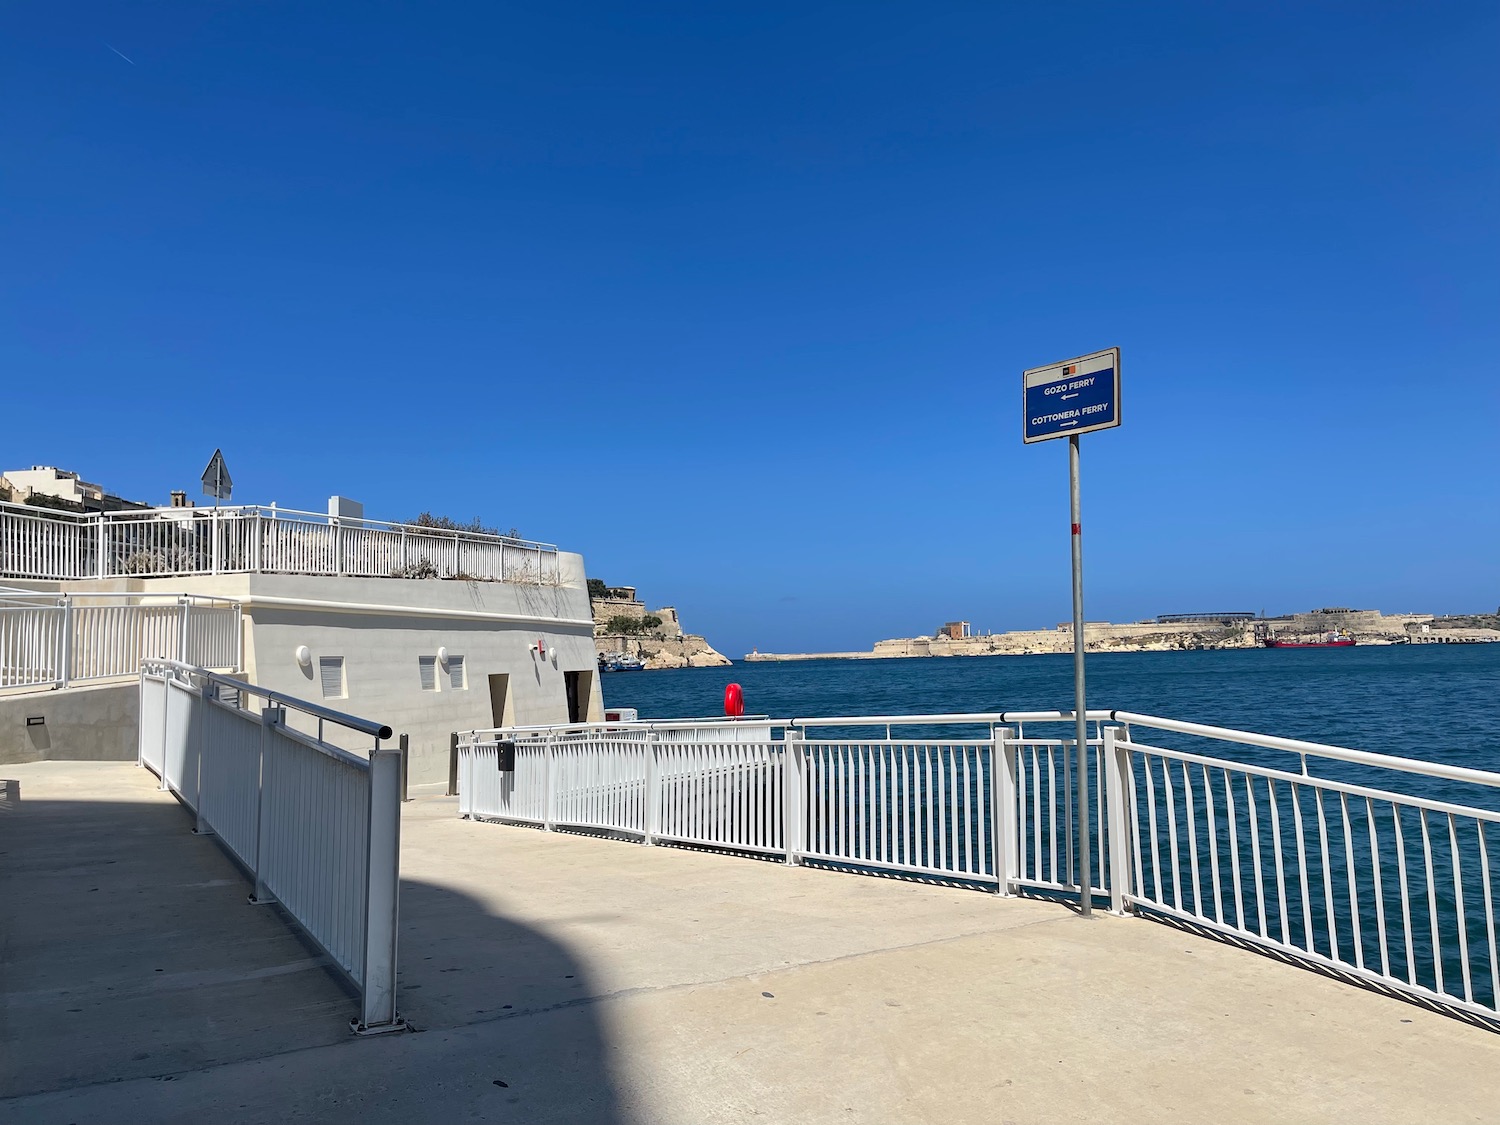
[317,826]
[380,731]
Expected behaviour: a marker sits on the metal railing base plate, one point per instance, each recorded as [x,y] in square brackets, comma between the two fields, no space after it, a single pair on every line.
[364,1031]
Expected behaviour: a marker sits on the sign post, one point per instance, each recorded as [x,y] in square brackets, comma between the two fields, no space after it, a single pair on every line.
[1067,399]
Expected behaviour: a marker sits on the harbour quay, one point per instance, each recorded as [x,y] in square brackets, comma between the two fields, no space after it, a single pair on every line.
[560,977]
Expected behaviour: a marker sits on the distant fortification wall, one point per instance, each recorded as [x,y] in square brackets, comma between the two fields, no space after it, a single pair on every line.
[606,609]
[662,646]
[1367,625]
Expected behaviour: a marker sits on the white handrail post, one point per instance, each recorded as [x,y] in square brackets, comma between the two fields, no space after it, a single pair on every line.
[792,793]
[338,543]
[382,898]
[100,568]
[65,657]
[182,631]
[549,794]
[1118,794]
[140,725]
[166,724]
[198,725]
[1003,823]
[270,718]
[1007,825]
[213,549]
[653,791]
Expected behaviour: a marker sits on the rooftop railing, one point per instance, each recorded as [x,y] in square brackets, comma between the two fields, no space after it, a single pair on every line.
[43,543]
[1372,867]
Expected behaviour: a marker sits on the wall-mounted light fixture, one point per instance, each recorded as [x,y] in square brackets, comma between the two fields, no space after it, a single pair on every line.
[304,656]
[442,655]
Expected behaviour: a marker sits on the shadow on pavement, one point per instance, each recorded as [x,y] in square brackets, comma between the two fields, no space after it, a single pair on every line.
[137,982]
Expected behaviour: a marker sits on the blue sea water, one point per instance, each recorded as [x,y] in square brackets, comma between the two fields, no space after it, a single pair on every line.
[1435,702]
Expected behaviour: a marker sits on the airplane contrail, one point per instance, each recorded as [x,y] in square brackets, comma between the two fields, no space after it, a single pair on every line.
[123,55]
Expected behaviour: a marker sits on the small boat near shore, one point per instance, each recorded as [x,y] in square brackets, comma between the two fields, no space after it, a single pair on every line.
[619,662]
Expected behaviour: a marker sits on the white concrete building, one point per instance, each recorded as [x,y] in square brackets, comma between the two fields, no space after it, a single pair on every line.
[428,655]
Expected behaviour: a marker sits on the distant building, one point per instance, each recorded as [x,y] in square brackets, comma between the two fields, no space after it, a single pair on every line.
[46,480]
[954,630]
[50,482]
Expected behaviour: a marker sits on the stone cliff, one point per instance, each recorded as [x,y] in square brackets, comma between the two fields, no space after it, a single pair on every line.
[622,625]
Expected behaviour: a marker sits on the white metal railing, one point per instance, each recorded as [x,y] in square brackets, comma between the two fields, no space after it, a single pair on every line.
[318,827]
[57,640]
[704,781]
[44,543]
[1045,798]
[1326,855]
[910,805]
[994,810]
[1372,866]
[903,805]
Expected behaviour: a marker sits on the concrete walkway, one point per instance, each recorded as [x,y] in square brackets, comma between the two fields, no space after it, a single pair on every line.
[560,978]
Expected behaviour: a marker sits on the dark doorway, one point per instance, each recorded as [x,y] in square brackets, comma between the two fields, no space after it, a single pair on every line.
[579,685]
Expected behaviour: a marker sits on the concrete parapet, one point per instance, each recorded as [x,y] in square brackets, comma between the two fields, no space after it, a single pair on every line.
[96,723]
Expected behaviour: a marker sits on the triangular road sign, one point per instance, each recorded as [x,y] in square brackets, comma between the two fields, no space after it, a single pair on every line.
[216,482]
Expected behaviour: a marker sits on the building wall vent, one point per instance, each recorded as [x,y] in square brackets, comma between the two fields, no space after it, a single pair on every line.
[456,673]
[331,671]
[427,667]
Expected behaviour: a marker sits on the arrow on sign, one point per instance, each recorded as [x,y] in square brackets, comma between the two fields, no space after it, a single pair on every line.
[1073,395]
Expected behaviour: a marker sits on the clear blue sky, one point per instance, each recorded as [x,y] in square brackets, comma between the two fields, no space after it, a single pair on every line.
[735,299]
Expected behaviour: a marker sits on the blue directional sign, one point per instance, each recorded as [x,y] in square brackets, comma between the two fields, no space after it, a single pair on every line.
[1072,397]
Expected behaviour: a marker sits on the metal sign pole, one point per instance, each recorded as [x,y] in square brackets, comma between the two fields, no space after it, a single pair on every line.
[1075,397]
[1080,712]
